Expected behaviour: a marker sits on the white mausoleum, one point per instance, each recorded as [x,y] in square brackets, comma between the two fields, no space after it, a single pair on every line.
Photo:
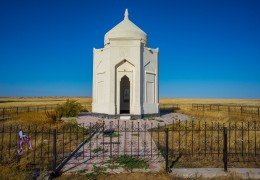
[125,73]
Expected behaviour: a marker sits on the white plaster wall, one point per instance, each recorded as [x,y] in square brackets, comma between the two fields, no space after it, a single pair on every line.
[127,57]
[100,80]
[150,83]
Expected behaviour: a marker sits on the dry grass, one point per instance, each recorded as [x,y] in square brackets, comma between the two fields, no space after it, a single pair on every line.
[86,101]
[194,144]
[40,130]
[214,116]
[188,101]
[35,101]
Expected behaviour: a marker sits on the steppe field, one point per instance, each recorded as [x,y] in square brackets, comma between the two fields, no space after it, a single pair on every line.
[33,101]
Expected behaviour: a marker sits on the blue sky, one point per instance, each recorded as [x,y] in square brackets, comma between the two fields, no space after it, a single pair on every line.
[208,48]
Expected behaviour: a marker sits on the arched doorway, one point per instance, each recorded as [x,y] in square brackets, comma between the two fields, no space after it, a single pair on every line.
[125,95]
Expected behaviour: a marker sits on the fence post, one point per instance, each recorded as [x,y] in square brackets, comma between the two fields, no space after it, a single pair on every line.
[258,112]
[166,150]
[54,150]
[3,114]
[225,153]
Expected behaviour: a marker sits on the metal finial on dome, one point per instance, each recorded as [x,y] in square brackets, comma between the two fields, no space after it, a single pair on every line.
[126,13]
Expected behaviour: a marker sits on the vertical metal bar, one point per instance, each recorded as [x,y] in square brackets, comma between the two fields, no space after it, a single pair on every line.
[199,140]
[211,141]
[103,139]
[35,137]
[248,141]
[158,144]
[110,140]
[83,136]
[97,143]
[77,134]
[192,138]
[17,110]
[49,140]
[235,138]
[144,138]
[242,139]
[166,149]
[63,142]
[132,139]
[205,139]
[3,114]
[225,152]
[218,141]
[255,136]
[17,130]
[138,141]
[70,138]
[258,111]
[118,137]
[151,140]
[42,143]
[54,150]
[90,142]
[3,132]
[179,137]
[186,132]
[229,136]
[10,140]
[125,138]
[172,136]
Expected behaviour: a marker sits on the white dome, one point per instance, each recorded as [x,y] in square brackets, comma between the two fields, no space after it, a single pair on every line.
[126,29]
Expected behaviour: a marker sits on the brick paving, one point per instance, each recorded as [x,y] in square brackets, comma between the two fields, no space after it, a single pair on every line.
[130,137]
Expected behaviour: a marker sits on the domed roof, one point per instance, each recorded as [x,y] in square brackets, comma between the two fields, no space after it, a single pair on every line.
[126,29]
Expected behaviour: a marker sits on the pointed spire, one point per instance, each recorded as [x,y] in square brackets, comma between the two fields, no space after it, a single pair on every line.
[126,13]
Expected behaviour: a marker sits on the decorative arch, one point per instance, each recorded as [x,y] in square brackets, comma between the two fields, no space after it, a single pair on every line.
[124,69]
[125,94]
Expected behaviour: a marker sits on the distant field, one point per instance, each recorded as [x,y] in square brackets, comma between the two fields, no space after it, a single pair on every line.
[33,101]
[30,101]
[186,101]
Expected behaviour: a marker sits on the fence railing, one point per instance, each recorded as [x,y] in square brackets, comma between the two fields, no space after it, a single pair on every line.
[190,140]
[250,110]
[50,144]
[8,112]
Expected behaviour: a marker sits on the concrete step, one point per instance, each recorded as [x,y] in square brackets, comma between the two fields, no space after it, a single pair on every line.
[125,117]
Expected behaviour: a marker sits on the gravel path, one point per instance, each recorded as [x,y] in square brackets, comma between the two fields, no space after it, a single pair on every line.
[162,120]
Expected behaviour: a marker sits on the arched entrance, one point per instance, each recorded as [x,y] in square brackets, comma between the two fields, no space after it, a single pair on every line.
[125,95]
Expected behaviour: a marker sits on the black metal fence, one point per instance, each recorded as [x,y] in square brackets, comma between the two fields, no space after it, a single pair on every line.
[247,110]
[10,112]
[53,146]
[169,107]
